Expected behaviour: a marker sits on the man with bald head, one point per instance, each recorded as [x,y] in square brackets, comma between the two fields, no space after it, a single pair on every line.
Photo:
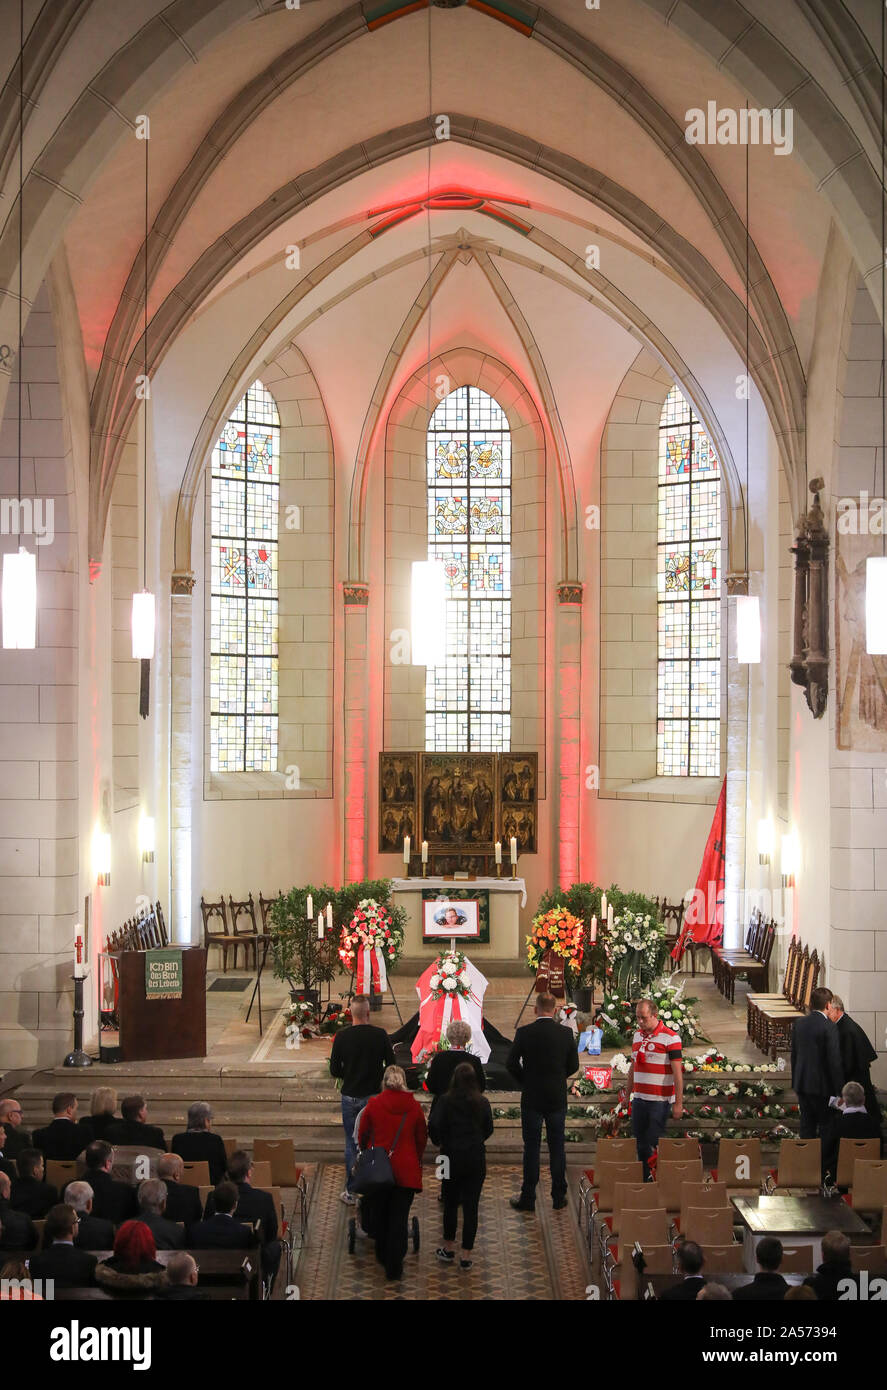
[19,1231]
[181,1272]
[17,1137]
[182,1200]
[93,1232]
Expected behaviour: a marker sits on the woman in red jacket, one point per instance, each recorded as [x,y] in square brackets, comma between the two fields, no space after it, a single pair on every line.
[379,1123]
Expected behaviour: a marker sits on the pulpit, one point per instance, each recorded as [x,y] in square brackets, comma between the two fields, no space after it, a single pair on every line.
[158,1030]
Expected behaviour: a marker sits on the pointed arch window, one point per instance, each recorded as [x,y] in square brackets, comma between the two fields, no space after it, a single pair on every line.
[468,700]
[243,588]
[689,588]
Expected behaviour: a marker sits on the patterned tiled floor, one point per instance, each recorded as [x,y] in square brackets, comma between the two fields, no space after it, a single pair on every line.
[517,1257]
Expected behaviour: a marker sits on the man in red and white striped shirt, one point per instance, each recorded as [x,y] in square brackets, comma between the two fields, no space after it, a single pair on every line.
[655,1080]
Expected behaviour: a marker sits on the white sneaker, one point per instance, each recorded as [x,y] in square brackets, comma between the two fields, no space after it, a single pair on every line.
[348,1198]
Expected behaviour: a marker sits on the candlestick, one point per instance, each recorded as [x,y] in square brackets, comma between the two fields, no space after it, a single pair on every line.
[329,917]
[320,926]
[498,851]
[310,908]
[78,1058]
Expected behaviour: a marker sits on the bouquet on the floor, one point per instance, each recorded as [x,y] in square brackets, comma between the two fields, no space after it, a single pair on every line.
[450,976]
[369,945]
[559,931]
[301,1018]
[338,1018]
[635,947]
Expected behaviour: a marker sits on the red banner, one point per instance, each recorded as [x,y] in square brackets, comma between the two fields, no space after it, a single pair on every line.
[704,917]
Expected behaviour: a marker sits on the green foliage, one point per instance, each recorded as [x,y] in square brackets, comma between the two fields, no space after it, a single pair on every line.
[296,951]
[584,900]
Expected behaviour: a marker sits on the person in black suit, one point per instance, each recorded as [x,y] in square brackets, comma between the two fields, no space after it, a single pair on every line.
[816,1066]
[30,1193]
[253,1205]
[198,1144]
[17,1138]
[444,1063]
[93,1233]
[542,1056]
[834,1278]
[152,1205]
[6,1165]
[857,1053]
[221,1231]
[19,1231]
[181,1271]
[102,1116]
[850,1120]
[111,1200]
[65,1137]
[182,1200]
[60,1259]
[690,1262]
[133,1128]
[768,1285]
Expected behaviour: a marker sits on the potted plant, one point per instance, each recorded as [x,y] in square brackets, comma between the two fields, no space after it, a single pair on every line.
[298,953]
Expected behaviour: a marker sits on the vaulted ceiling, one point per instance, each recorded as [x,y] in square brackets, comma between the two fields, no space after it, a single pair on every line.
[319,127]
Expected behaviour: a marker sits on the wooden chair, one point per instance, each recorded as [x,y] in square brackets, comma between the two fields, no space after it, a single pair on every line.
[671,1177]
[61,1171]
[261,1177]
[756,1000]
[727,960]
[220,935]
[608,1175]
[634,1196]
[778,1021]
[196,1174]
[126,1156]
[796,1259]
[38,1227]
[850,1152]
[164,934]
[248,934]
[739,1156]
[869,1192]
[700,1195]
[800,1165]
[231,1146]
[265,906]
[678,1150]
[610,1150]
[708,1226]
[647,1226]
[658,1259]
[280,1155]
[725,1258]
[204,1191]
[870,1257]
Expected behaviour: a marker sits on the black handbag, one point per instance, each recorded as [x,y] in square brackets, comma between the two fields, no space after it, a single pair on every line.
[372,1171]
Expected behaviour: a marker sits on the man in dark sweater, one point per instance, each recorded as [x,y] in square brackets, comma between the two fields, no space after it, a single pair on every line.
[542,1056]
[223,1231]
[30,1193]
[65,1137]
[133,1128]
[768,1285]
[359,1057]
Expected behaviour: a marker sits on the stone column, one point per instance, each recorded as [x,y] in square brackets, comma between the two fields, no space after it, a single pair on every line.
[568,749]
[181,769]
[735,913]
[357,597]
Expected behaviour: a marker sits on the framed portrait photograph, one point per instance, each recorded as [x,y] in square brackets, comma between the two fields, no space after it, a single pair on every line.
[446,917]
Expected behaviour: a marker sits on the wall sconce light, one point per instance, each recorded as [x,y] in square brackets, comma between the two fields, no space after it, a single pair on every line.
[789,859]
[428,631]
[146,839]
[765,840]
[748,629]
[101,856]
[876,605]
[20,600]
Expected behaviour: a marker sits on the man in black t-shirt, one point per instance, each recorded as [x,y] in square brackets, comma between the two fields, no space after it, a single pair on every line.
[359,1057]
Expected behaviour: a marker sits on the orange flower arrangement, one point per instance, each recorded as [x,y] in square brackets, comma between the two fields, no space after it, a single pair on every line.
[557,930]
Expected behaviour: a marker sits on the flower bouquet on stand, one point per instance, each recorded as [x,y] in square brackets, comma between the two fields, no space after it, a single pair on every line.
[556,933]
[369,946]
[635,950]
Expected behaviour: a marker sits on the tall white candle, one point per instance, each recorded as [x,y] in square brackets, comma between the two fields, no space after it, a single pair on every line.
[513,849]
[498,851]
[406,850]
[603,907]
[310,908]
[593,933]
[329,917]
[424,851]
[610,917]
[320,926]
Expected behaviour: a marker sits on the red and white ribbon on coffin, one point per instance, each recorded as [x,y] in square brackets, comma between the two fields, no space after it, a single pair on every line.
[370,975]
[435,1015]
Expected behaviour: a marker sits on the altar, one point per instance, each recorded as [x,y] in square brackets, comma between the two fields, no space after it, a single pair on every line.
[506,896]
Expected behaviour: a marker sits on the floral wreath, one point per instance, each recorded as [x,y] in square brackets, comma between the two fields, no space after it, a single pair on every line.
[559,931]
[371,925]
[450,976]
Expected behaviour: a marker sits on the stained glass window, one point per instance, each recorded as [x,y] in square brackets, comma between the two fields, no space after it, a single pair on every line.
[688,740]
[243,588]
[468,699]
